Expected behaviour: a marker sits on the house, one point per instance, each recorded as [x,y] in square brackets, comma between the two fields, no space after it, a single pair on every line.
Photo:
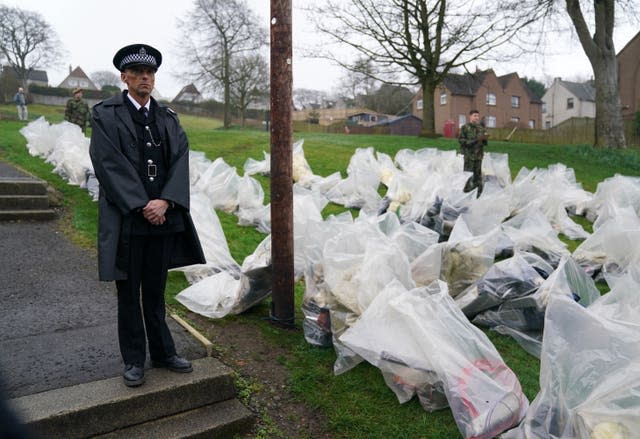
[629,77]
[189,93]
[77,78]
[564,100]
[408,125]
[501,100]
[38,77]
[367,119]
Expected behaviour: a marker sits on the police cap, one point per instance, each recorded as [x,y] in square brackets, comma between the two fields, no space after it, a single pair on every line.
[136,55]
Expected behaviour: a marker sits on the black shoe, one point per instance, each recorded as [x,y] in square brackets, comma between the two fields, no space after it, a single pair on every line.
[133,375]
[174,364]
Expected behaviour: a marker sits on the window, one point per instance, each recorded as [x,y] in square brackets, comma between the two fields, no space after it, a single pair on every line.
[73,82]
[569,103]
[544,107]
[532,124]
[490,121]
[491,99]
[462,119]
[443,99]
[419,104]
[515,101]
[515,119]
[547,124]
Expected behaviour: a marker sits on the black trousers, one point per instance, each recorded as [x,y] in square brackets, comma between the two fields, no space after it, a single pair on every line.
[141,301]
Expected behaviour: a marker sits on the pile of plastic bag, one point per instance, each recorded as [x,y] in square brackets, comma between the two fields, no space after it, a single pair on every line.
[400,285]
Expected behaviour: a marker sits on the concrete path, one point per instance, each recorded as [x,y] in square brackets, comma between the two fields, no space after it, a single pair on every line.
[57,321]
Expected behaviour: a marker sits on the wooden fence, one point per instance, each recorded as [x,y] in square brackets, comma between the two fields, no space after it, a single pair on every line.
[573,131]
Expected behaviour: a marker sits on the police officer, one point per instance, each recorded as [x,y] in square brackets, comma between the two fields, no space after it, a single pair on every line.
[140,156]
[473,139]
[77,110]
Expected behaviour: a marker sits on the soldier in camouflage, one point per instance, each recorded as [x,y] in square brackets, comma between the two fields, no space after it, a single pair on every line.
[473,138]
[77,110]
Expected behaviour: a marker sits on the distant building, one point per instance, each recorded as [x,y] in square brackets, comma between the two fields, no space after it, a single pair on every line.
[77,78]
[367,119]
[408,125]
[38,77]
[501,100]
[189,93]
[565,99]
[629,77]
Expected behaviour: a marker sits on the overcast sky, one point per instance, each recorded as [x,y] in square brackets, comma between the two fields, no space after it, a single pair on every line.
[91,31]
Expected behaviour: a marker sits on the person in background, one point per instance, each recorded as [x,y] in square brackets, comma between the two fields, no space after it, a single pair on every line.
[77,110]
[140,155]
[473,139]
[21,103]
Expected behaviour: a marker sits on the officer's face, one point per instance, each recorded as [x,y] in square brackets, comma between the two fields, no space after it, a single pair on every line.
[474,118]
[140,81]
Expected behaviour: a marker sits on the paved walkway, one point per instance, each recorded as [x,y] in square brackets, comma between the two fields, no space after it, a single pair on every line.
[57,321]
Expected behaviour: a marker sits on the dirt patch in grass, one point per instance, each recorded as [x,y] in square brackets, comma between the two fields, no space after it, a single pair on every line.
[263,382]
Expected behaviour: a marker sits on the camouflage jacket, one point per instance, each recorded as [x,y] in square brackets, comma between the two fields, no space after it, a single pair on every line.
[469,142]
[77,112]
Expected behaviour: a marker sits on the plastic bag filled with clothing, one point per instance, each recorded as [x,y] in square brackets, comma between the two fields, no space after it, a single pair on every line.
[426,346]
[589,369]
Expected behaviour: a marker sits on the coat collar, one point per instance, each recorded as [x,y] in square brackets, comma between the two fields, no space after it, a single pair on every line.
[121,111]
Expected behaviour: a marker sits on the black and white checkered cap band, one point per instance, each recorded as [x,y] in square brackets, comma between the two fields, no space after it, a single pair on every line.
[141,57]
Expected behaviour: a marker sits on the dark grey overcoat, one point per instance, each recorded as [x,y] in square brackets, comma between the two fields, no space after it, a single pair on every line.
[116,160]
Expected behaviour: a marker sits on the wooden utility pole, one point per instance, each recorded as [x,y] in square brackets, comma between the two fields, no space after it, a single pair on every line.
[282,311]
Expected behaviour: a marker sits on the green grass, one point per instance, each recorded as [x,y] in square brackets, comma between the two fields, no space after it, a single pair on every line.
[357,404]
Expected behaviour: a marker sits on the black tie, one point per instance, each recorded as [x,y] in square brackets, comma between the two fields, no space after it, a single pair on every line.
[144,112]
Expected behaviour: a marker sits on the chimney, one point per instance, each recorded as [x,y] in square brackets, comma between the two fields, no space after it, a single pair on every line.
[70,69]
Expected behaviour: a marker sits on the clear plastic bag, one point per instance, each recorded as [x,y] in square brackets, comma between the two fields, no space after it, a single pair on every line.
[466,258]
[214,243]
[262,167]
[589,370]
[506,280]
[531,231]
[220,182]
[422,329]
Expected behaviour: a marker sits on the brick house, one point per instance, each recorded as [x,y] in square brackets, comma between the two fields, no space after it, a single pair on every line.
[565,99]
[77,78]
[629,77]
[502,101]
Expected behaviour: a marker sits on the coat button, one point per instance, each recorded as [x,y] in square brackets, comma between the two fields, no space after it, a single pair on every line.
[150,161]
[149,144]
[151,179]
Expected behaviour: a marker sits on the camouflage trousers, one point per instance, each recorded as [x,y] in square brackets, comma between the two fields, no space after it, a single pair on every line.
[473,163]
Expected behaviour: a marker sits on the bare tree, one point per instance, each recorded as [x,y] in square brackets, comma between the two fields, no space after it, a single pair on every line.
[358,82]
[305,98]
[215,32]
[594,23]
[105,77]
[423,39]
[249,82]
[27,42]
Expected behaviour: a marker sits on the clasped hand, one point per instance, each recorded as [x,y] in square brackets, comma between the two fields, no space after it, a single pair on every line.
[154,211]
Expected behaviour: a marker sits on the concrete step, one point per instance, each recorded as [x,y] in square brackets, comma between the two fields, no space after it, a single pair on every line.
[27,215]
[22,186]
[107,406]
[26,202]
[222,420]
